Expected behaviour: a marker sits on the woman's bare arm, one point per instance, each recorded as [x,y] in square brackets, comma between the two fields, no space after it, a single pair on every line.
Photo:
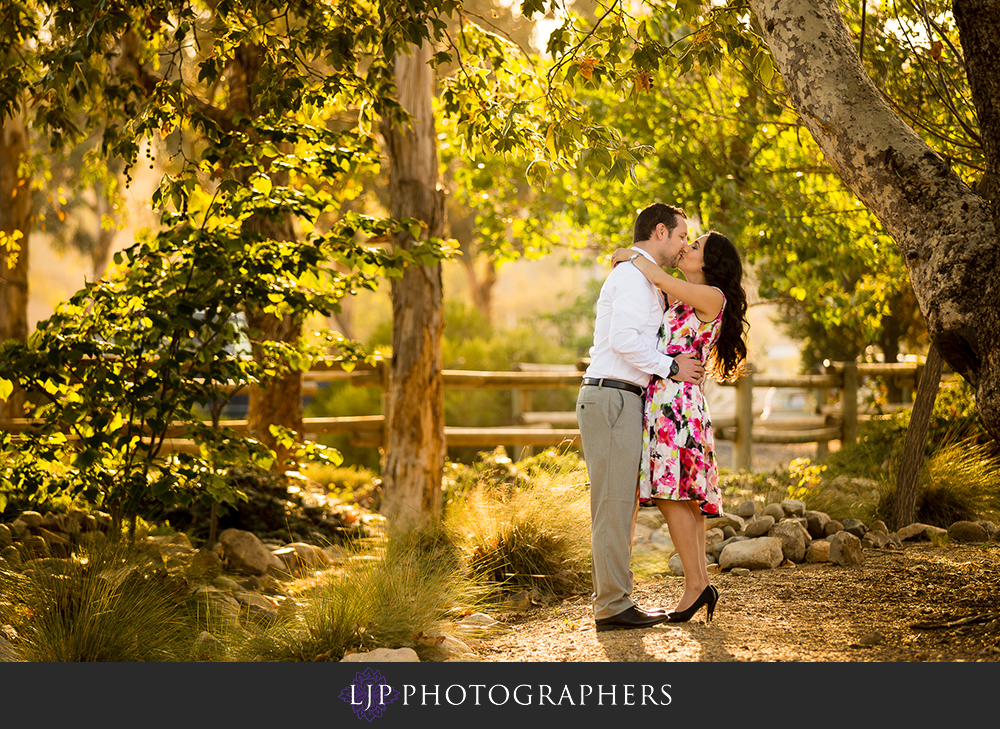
[706,300]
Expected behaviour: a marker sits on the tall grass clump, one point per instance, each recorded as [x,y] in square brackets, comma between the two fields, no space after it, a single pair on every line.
[391,592]
[532,533]
[106,604]
[959,482]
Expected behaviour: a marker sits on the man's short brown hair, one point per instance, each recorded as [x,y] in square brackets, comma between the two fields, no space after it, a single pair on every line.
[652,216]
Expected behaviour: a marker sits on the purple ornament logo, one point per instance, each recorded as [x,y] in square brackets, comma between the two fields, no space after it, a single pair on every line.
[369,694]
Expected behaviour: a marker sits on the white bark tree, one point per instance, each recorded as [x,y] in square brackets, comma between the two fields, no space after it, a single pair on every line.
[946,231]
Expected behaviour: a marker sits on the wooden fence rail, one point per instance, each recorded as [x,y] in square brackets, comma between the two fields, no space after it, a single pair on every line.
[835,419]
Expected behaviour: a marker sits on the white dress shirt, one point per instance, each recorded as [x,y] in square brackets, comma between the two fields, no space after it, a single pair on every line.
[629,312]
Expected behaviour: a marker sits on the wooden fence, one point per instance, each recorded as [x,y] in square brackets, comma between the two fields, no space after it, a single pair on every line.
[836,416]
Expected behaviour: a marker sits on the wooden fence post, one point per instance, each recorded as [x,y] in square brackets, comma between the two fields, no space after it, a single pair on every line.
[849,404]
[743,444]
[521,403]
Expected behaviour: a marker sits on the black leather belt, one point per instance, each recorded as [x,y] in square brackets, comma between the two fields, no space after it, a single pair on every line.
[617,384]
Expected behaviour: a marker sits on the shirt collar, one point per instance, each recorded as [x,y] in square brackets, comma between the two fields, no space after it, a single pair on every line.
[644,253]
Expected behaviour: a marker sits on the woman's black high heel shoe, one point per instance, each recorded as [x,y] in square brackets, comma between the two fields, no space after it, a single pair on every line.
[708,597]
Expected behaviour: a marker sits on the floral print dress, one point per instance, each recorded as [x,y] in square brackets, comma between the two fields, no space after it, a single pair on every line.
[678,448]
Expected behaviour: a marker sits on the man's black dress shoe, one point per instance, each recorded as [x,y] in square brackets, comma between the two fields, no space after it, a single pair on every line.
[633,617]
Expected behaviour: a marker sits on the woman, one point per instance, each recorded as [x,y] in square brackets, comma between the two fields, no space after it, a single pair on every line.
[706,314]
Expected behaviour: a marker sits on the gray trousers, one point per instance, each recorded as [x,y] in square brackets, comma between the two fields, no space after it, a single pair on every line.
[611,433]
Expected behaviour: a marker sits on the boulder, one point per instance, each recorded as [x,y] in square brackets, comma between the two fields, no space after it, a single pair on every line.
[855,527]
[816,522]
[721,522]
[747,510]
[774,510]
[793,507]
[793,539]
[918,531]
[244,553]
[832,527]
[968,531]
[818,551]
[875,539]
[759,527]
[5,536]
[756,554]
[383,655]
[845,549]
[31,519]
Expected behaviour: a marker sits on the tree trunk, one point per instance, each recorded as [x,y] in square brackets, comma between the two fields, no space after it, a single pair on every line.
[15,216]
[415,450]
[904,508]
[278,401]
[481,288]
[945,230]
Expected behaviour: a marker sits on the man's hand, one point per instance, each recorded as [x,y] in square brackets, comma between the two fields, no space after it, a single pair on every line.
[690,369]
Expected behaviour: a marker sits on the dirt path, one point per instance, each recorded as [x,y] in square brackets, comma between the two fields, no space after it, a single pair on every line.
[923,603]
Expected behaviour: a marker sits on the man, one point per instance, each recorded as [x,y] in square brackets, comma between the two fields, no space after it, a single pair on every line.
[610,407]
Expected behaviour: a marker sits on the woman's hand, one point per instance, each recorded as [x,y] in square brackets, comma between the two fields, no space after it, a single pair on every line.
[620,256]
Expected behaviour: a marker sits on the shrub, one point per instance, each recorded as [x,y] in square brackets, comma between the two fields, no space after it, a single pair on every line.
[393,592]
[529,535]
[106,604]
[960,482]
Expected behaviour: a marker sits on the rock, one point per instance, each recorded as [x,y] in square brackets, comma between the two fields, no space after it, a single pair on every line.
[878,526]
[216,603]
[60,523]
[661,539]
[855,527]
[8,653]
[204,565]
[818,551]
[713,537]
[299,557]
[716,549]
[11,555]
[676,568]
[793,539]
[5,535]
[207,648]
[918,531]
[755,554]
[816,522]
[967,531]
[721,522]
[747,510]
[832,527]
[257,606]
[17,529]
[845,549]
[383,655]
[35,546]
[245,554]
[875,539]
[31,519]
[774,510]
[728,532]
[58,544]
[453,647]
[740,571]
[990,528]
[793,507]
[759,527]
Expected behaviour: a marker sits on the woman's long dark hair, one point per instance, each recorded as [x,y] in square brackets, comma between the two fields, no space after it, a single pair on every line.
[724,270]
